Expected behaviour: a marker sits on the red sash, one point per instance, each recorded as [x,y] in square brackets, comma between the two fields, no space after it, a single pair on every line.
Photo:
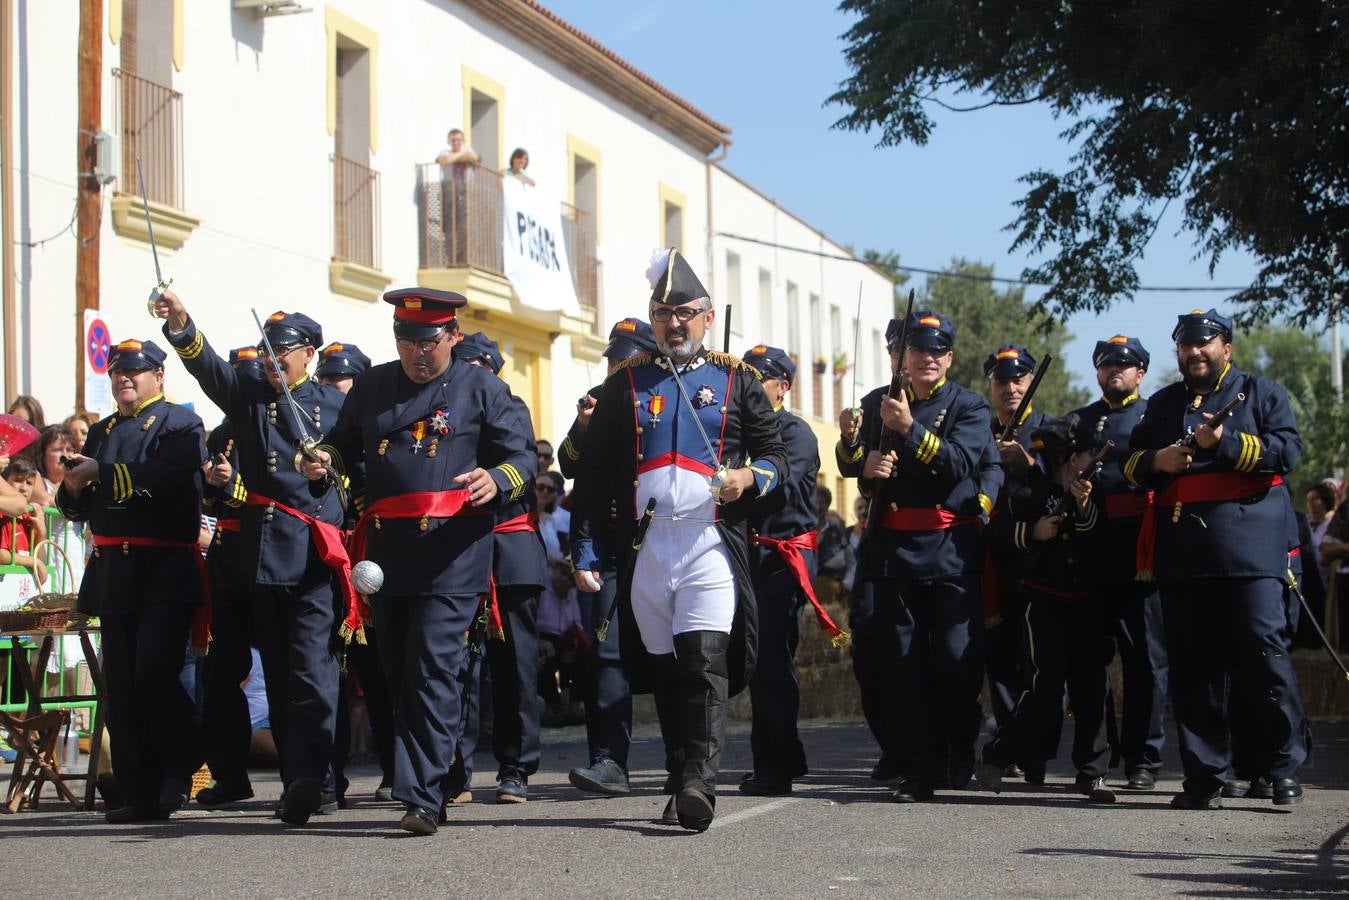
[524,522]
[1127,505]
[790,551]
[920,518]
[1054,592]
[422,504]
[1202,487]
[201,619]
[226,524]
[328,542]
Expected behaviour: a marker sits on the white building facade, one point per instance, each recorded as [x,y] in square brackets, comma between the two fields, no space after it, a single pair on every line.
[289,165]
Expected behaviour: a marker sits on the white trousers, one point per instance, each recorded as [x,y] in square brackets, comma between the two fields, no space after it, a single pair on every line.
[682,582]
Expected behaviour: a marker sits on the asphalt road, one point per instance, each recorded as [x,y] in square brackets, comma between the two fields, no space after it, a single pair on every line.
[836,836]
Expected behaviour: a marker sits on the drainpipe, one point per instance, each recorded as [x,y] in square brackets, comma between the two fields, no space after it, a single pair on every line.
[10,302]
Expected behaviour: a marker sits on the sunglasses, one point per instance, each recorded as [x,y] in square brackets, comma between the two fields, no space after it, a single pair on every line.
[546,488]
[682,313]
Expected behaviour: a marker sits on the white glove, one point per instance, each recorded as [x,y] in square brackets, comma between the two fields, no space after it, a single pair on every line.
[587,581]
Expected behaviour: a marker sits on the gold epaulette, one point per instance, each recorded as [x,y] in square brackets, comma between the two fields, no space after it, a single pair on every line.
[719,358]
[637,359]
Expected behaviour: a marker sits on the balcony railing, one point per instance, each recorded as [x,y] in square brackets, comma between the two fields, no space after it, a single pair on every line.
[355,212]
[149,120]
[461,220]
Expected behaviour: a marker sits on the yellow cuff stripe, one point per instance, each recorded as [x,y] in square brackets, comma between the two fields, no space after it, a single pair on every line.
[1019,535]
[767,474]
[1131,464]
[514,478]
[842,452]
[928,447]
[570,449]
[1089,522]
[1249,456]
[121,483]
[238,493]
[986,503]
[360,504]
[192,350]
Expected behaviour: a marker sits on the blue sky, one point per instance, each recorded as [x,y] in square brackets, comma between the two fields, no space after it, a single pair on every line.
[766,68]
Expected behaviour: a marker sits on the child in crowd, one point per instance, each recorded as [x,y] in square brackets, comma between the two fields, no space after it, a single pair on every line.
[563,648]
[20,534]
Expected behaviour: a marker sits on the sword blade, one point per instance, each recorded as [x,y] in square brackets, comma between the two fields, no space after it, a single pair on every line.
[149,225]
[688,404]
[305,441]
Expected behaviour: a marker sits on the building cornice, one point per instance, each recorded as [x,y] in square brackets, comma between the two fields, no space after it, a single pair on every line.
[597,64]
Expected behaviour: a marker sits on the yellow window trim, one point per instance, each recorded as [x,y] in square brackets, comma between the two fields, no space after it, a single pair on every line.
[591,154]
[474,80]
[336,23]
[115,29]
[669,195]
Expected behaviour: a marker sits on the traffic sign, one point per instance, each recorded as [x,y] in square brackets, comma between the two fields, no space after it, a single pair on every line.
[98,346]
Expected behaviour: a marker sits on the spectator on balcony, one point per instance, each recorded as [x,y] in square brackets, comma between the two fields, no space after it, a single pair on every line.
[26,407]
[520,162]
[457,154]
[78,426]
[457,162]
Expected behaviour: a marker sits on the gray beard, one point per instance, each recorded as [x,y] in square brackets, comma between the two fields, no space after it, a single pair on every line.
[680,352]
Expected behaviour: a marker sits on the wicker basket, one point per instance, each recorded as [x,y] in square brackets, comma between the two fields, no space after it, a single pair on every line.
[49,611]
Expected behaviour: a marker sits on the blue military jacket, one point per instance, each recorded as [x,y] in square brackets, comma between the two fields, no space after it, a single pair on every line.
[1242,538]
[944,463]
[1062,564]
[1111,422]
[149,486]
[1008,562]
[226,504]
[519,558]
[792,509]
[415,438]
[267,439]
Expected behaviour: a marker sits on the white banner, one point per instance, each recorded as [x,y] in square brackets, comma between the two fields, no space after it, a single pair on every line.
[534,249]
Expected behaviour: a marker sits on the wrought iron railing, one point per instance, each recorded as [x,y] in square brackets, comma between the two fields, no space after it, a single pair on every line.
[149,120]
[355,212]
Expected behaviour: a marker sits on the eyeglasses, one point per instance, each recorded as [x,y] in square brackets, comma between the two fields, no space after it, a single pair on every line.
[281,353]
[545,488]
[682,313]
[420,346]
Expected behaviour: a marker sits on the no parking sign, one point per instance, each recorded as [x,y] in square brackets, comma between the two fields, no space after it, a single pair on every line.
[97,351]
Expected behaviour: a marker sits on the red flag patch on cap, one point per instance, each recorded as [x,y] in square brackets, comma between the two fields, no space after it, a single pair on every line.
[247,353]
[334,347]
[759,349]
[276,316]
[1118,339]
[625,325]
[130,345]
[1009,353]
[932,321]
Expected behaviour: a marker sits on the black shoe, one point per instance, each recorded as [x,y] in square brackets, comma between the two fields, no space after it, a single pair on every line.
[419,820]
[886,770]
[512,788]
[1287,792]
[958,777]
[671,814]
[173,795]
[695,809]
[1093,788]
[1035,773]
[604,776]
[125,815]
[111,791]
[330,802]
[989,775]
[1013,771]
[302,799]
[1262,789]
[912,790]
[225,793]
[1186,800]
[757,786]
[384,793]
[1141,780]
[1236,788]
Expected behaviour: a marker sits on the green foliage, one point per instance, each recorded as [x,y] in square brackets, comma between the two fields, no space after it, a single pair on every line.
[986,319]
[1300,362]
[1237,110]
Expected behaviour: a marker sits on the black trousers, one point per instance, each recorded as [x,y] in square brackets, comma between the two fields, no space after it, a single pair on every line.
[1005,654]
[608,697]
[514,664]
[296,634]
[227,728]
[422,645]
[1066,643]
[929,646]
[872,641]
[1233,631]
[151,718]
[1134,618]
[775,693]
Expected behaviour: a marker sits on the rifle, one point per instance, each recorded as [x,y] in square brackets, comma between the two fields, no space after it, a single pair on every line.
[1024,403]
[1091,471]
[1221,416]
[476,635]
[887,441]
[726,341]
[638,537]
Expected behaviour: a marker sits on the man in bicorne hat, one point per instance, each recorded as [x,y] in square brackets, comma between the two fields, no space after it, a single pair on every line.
[443,447]
[691,430]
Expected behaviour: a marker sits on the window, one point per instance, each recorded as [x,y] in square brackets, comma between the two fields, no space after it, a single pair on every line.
[817,339]
[149,111]
[733,295]
[882,360]
[355,184]
[672,206]
[582,209]
[793,347]
[766,306]
[484,113]
[836,351]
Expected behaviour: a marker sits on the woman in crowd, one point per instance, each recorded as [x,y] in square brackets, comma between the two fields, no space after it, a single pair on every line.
[27,408]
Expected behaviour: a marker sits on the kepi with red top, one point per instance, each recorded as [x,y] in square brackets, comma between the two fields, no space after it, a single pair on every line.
[422,313]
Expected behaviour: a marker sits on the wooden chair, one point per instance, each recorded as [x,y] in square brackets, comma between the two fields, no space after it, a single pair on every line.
[38,762]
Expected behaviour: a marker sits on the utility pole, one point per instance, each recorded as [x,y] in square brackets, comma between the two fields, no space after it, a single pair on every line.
[90,193]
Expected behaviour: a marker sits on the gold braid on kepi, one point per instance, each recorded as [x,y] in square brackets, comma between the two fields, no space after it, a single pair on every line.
[731,361]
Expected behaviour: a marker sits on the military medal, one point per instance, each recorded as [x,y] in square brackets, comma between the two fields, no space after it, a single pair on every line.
[705,396]
[440,422]
[656,404]
[418,432]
